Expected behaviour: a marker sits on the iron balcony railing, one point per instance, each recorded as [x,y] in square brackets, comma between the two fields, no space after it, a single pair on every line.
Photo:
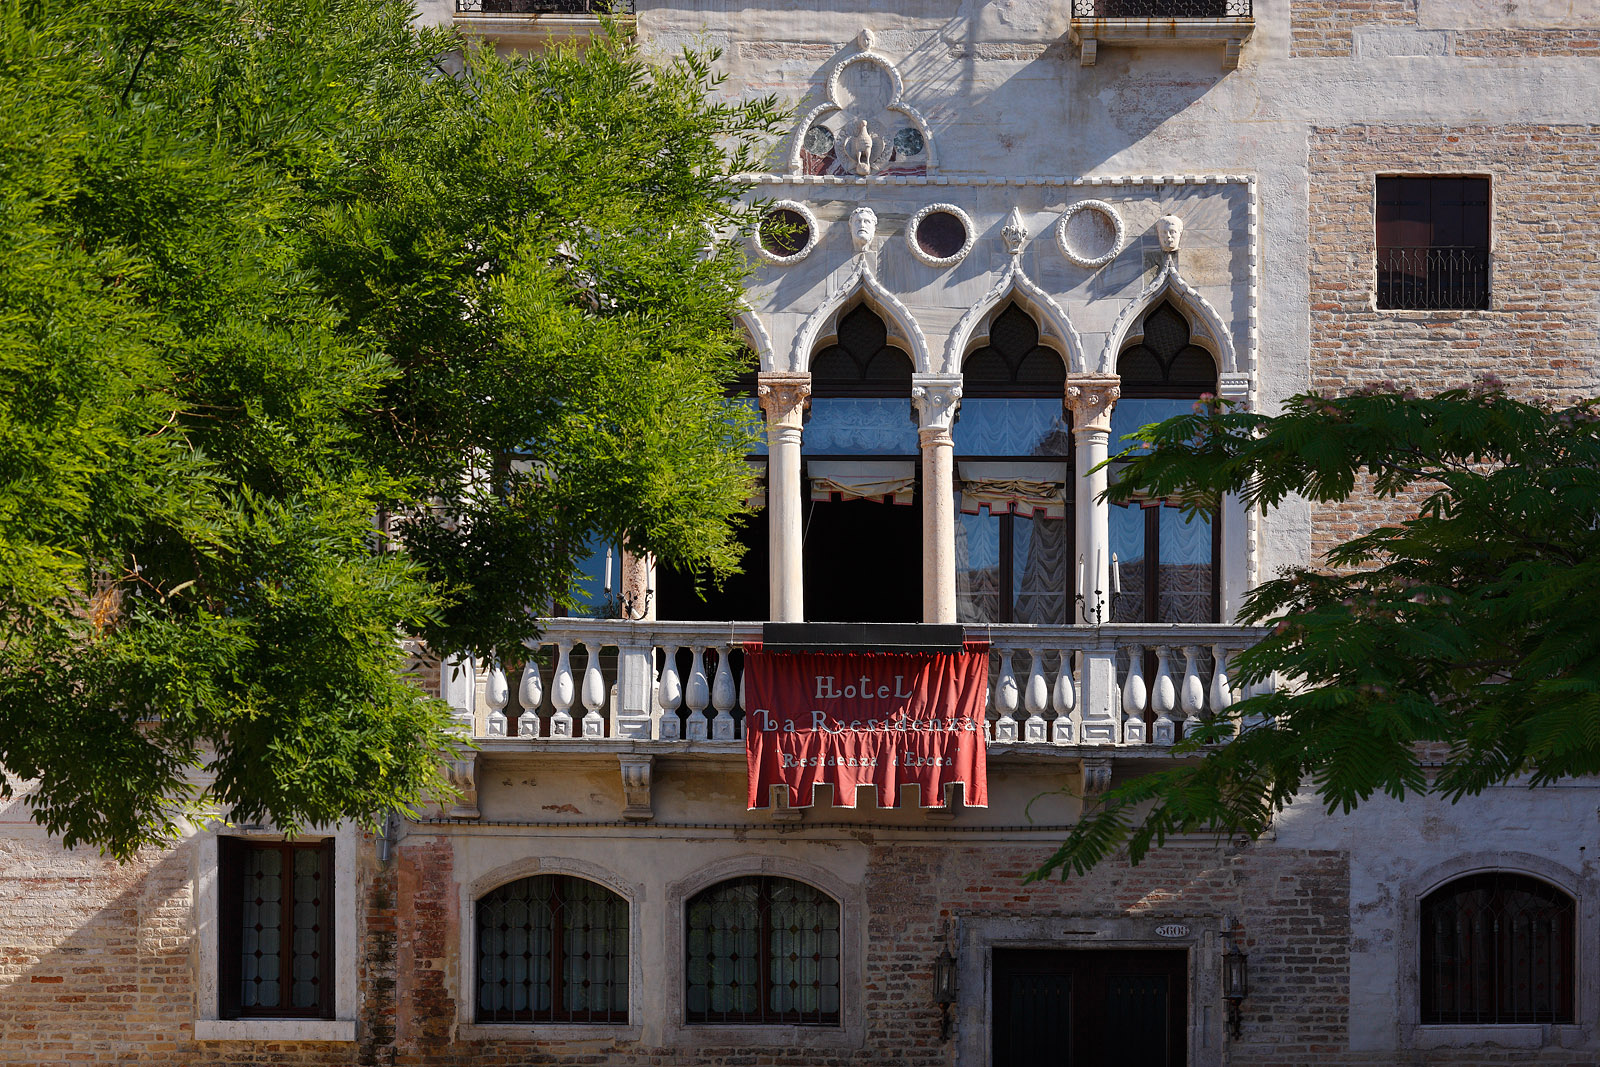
[545,7]
[1434,278]
[1161,9]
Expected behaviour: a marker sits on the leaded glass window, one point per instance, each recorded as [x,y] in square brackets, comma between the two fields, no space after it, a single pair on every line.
[763,950]
[276,908]
[552,948]
[1497,948]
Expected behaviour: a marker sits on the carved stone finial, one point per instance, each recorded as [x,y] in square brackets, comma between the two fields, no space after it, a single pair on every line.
[1014,233]
[1169,231]
[863,225]
[866,39]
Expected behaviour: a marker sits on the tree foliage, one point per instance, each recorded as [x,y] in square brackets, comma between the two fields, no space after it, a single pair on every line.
[269,268]
[1464,635]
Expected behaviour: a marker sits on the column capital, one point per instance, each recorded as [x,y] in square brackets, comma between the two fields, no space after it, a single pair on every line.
[1090,399]
[783,395]
[937,397]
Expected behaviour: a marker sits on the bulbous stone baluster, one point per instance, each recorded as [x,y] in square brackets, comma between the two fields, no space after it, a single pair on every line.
[1221,684]
[530,693]
[594,693]
[1164,698]
[1064,698]
[562,694]
[496,694]
[724,695]
[1006,702]
[1036,698]
[1135,699]
[697,694]
[669,694]
[1193,694]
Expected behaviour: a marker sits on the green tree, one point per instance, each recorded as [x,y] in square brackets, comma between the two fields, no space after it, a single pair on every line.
[1464,635]
[269,268]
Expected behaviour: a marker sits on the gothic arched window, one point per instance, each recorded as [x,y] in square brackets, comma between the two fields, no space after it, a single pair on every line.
[1013,452]
[1166,565]
[862,530]
[1497,948]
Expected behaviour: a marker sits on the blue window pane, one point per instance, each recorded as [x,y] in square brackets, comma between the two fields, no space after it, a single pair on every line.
[1012,427]
[759,448]
[590,582]
[977,567]
[1127,545]
[854,426]
[1039,569]
[1130,414]
[1184,581]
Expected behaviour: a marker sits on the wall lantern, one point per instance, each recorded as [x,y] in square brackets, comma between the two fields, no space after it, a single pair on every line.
[944,989]
[1235,978]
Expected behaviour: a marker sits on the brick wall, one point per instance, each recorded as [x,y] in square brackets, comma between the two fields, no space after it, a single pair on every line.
[1323,28]
[1539,335]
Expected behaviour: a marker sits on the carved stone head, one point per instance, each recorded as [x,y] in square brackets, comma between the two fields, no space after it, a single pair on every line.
[863,227]
[1169,231]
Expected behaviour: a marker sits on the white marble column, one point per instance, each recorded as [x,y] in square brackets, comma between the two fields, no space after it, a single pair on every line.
[1237,549]
[1090,399]
[784,397]
[937,397]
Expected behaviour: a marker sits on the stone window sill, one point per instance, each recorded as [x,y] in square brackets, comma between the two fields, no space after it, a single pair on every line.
[274,1029]
[1532,1035]
[1088,34]
[549,1032]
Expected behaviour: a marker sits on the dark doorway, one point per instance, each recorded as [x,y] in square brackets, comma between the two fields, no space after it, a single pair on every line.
[863,561]
[1090,1008]
[742,598]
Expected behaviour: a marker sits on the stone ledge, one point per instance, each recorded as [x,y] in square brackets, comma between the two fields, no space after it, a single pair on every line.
[274,1029]
[1230,33]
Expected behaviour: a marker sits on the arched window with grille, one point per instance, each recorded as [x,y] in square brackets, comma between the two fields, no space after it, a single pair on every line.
[762,950]
[862,532]
[1498,947]
[1166,565]
[552,948]
[1012,453]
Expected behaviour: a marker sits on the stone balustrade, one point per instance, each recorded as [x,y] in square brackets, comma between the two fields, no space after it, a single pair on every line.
[1113,685]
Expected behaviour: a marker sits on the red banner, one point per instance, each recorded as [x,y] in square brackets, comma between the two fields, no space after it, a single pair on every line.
[854,719]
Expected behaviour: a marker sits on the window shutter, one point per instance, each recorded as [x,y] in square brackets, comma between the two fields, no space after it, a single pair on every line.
[230,864]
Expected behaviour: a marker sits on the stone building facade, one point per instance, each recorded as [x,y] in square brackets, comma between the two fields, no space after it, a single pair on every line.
[1007,222]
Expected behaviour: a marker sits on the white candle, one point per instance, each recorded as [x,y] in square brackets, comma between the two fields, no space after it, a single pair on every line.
[1083,588]
[1097,558]
[608,570]
[1116,574]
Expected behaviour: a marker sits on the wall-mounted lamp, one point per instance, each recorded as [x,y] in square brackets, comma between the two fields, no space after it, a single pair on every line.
[944,989]
[1235,977]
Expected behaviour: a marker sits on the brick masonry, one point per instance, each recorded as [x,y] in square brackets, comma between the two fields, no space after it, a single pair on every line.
[1538,336]
[1328,28]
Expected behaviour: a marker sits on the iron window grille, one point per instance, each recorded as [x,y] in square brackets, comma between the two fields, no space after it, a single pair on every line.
[275,905]
[1497,948]
[1161,9]
[1432,238]
[762,950]
[546,7]
[552,948]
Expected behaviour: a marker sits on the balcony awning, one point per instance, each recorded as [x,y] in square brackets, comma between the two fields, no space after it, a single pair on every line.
[1021,488]
[891,481]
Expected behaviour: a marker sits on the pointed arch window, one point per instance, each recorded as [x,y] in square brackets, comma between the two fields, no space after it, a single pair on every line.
[1013,451]
[552,948]
[1497,947]
[862,535]
[1167,566]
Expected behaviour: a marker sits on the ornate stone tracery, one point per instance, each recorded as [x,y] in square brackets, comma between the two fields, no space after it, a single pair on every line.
[864,128]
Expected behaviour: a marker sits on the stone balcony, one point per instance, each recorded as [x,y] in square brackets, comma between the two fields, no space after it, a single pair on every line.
[599,688]
[527,25]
